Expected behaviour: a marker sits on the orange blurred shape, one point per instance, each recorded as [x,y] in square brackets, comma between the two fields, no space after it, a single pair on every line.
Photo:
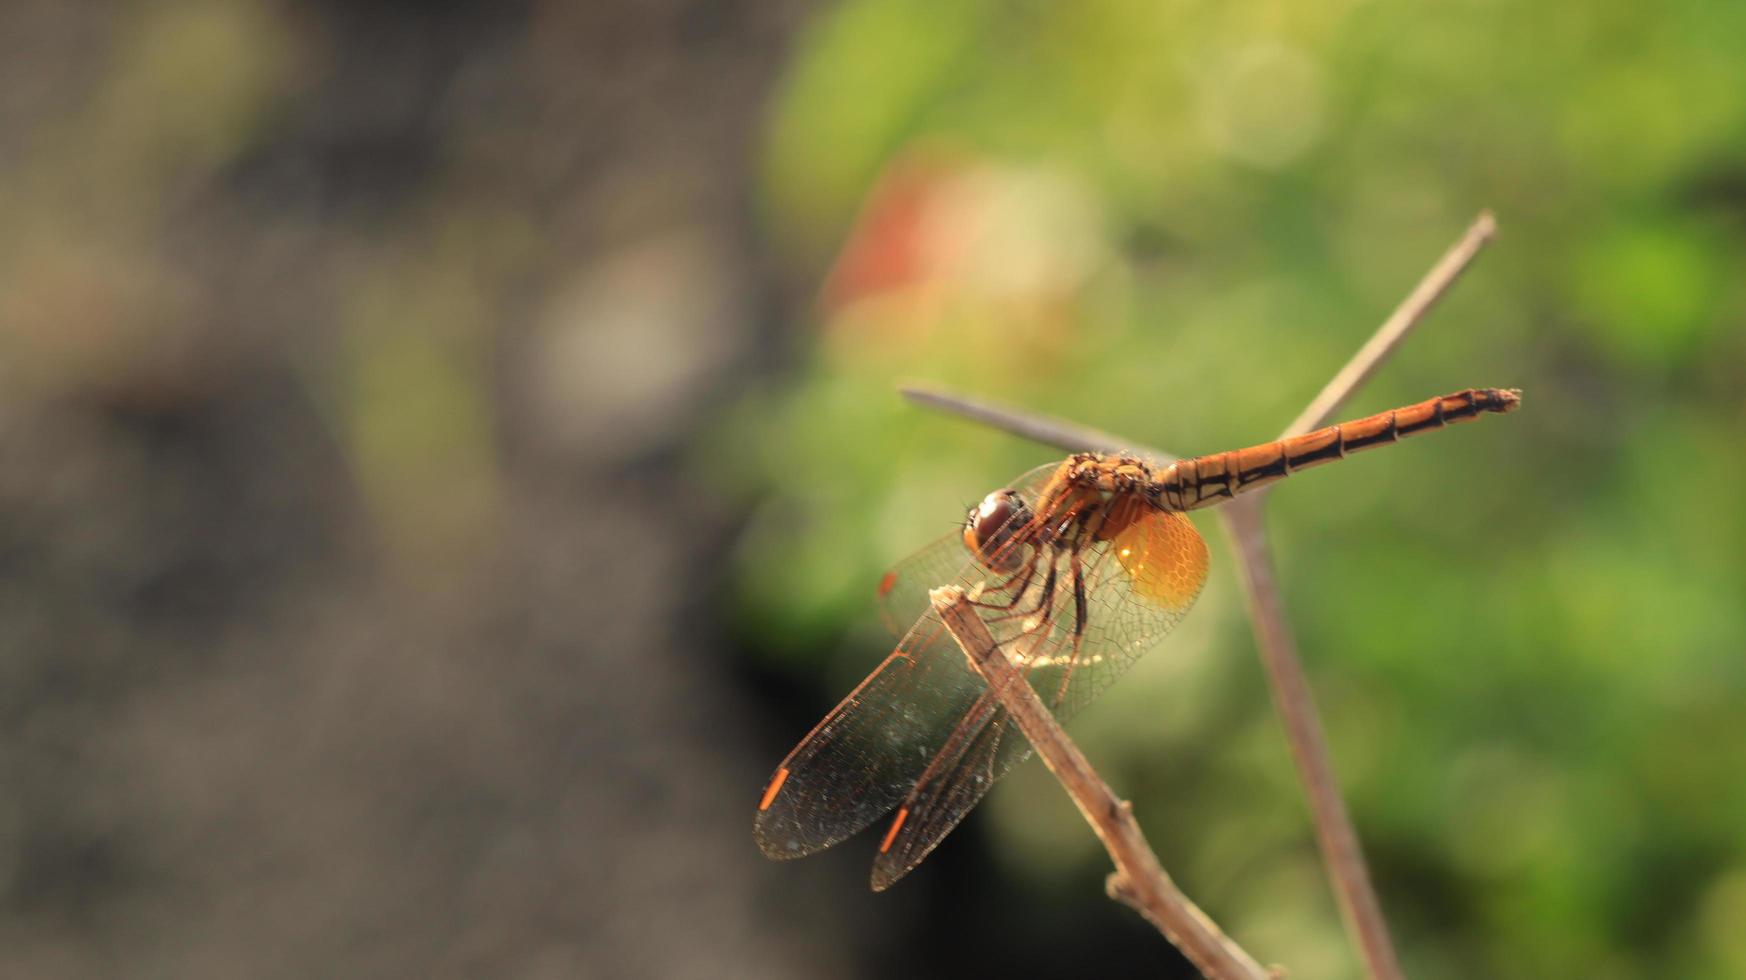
[994,253]
[887,250]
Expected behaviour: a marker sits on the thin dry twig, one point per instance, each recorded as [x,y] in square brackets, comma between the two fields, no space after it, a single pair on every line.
[1405,317]
[1139,880]
[1341,852]
[1046,429]
[1038,428]
[1335,835]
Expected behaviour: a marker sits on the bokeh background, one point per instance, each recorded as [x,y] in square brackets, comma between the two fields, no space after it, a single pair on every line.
[446,451]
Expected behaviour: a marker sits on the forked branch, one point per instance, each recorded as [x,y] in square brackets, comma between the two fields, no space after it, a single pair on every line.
[1335,835]
[1139,880]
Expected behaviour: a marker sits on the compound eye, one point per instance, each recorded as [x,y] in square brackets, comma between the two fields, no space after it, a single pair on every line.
[990,527]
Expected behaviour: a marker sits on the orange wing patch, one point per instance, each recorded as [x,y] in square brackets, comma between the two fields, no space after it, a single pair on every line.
[1166,557]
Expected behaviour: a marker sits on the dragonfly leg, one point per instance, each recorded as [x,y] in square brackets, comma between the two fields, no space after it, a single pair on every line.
[1076,570]
[1012,610]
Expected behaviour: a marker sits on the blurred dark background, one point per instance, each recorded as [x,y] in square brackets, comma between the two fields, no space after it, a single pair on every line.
[446,451]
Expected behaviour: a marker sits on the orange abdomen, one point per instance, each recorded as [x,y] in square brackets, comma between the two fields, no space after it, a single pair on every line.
[1204,480]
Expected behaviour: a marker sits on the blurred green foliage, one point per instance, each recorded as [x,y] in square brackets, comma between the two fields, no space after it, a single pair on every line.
[1175,221]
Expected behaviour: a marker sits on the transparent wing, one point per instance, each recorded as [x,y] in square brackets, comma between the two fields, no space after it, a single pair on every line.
[904,588]
[1140,586]
[867,753]
[1111,603]
[981,749]
[865,756]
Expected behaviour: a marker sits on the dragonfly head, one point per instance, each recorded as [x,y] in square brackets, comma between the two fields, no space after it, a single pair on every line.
[992,526]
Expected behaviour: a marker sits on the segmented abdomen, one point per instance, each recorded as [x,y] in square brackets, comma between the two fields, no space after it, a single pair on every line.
[1204,480]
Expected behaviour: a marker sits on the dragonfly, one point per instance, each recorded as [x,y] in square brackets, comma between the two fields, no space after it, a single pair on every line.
[1077,569]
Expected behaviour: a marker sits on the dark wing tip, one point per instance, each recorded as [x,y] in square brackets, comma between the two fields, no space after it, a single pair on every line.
[779,844]
[888,872]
